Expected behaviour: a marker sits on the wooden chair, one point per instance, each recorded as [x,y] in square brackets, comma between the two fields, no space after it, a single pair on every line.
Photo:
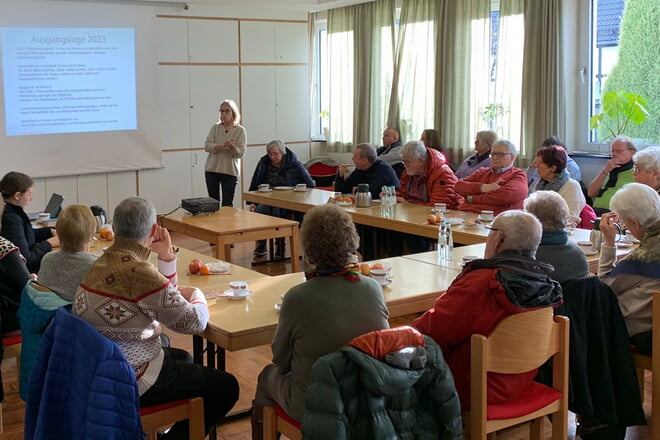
[520,343]
[651,363]
[11,349]
[276,421]
[157,416]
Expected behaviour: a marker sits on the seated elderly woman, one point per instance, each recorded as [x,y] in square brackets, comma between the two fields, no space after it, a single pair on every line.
[317,317]
[550,163]
[555,247]
[636,276]
[13,276]
[17,189]
[279,167]
[483,142]
[646,167]
[63,271]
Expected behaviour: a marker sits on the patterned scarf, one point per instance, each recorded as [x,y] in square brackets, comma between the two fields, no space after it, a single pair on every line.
[645,260]
[350,272]
[555,183]
[6,247]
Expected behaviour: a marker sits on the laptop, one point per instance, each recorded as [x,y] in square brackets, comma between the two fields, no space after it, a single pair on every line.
[53,207]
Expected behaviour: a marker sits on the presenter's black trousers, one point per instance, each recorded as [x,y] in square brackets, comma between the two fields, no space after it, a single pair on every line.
[214,181]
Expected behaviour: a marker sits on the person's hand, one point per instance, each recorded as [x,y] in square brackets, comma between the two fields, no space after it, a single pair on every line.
[162,244]
[229,143]
[54,241]
[34,276]
[252,207]
[608,228]
[187,292]
[488,187]
[400,199]
[610,165]
[342,170]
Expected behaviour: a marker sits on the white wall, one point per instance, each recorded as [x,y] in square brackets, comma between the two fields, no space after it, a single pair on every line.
[258,57]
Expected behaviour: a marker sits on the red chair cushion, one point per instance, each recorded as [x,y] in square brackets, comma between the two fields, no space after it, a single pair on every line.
[12,340]
[534,398]
[163,406]
[280,413]
[321,170]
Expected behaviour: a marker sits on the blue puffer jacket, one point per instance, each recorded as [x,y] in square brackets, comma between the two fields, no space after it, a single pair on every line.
[81,386]
[294,171]
[38,306]
[356,396]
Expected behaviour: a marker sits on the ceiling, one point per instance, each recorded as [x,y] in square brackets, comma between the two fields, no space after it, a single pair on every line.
[307,5]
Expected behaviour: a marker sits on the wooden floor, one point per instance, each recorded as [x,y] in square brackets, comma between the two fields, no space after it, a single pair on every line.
[246,365]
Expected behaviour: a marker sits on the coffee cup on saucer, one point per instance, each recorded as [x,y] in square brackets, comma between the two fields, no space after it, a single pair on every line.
[301,187]
[439,207]
[43,217]
[264,187]
[380,275]
[238,288]
[487,215]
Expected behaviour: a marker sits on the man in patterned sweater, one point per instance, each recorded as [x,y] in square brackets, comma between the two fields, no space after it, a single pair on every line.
[127,299]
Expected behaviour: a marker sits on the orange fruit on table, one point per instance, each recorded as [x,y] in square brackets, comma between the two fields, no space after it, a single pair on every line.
[378,266]
[348,199]
[432,218]
[365,269]
[104,233]
[204,270]
[110,236]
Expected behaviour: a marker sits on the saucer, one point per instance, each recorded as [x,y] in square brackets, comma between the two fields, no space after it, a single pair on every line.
[300,190]
[283,188]
[589,252]
[453,220]
[624,244]
[345,203]
[265,190]
[230,294]
[386,283]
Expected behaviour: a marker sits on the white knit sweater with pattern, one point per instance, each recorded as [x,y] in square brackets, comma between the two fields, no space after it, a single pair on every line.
[127,299]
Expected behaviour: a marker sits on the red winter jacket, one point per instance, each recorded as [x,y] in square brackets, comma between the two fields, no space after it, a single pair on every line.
[440,181]
[513,190]
[475,303]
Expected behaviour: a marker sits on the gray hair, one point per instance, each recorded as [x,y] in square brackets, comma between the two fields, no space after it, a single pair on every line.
[648,159]
[367,151]
[550,208]
[626,140]
[133,219]
[508,144]
[276,143]
[522,231]
[636,201]
[487,136]
[414,150]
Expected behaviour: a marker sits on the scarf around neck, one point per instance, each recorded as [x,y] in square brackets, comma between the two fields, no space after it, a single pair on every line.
[645,260]
[554,238]
[614,176]
[555,183]
[350,272]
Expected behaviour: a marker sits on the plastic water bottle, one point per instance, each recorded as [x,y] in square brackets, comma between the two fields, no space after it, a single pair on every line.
[449,239]
[442,242]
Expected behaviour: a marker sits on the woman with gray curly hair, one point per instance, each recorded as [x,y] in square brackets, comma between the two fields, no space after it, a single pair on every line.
[555,248]
[335,304]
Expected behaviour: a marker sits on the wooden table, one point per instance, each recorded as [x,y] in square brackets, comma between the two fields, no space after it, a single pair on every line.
[235,325]
[230,225]
[408,218]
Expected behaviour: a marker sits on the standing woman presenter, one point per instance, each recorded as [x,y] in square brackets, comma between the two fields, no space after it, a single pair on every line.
[225,144]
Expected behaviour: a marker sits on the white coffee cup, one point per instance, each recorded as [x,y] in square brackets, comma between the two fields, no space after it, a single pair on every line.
[264,187]
[440,207]
[487,215]
[301,187]
[238,288]
[43,217]
[380,275]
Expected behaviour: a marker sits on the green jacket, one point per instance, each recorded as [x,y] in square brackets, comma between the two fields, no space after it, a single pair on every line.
[356,396]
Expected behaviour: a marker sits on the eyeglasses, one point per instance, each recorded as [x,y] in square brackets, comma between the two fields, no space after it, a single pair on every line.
[499,155]
[620,150]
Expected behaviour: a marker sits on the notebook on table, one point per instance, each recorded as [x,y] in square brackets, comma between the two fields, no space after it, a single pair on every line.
[53,207]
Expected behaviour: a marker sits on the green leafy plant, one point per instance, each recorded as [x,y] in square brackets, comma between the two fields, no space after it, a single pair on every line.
[491,113]
[620,108]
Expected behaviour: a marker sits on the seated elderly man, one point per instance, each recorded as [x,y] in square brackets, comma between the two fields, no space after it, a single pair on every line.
[555,248]
[483,142]
[127,299]
[427,179]
[390,152]
[278,167]
[646,167]
[499,188]
[368,169]
[618,171]
[508,281]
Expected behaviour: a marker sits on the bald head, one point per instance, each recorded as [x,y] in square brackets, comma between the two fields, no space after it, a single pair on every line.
[513,230]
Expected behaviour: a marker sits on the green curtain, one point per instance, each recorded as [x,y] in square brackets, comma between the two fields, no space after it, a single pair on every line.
[542,87]
[361,62]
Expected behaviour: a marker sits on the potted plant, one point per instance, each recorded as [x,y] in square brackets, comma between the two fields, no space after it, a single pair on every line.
[620,108]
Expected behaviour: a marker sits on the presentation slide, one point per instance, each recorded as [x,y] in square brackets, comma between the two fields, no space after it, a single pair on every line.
[68,80]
